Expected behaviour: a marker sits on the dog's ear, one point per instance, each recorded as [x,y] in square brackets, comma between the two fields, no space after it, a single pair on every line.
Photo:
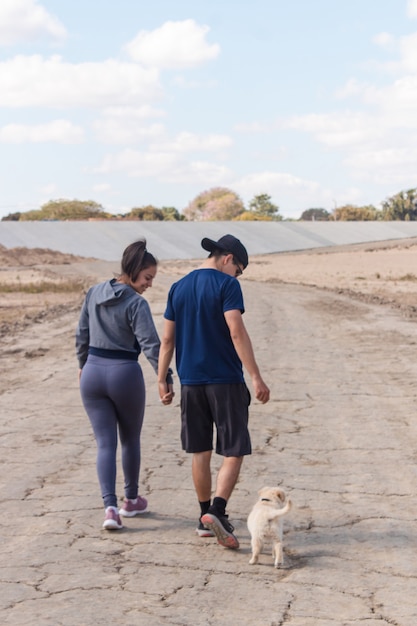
[280,494]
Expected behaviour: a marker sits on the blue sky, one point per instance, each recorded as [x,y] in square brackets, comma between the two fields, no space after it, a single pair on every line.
[131,103]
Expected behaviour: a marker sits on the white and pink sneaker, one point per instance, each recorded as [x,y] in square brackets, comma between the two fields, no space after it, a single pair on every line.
[134,507]
[112,520]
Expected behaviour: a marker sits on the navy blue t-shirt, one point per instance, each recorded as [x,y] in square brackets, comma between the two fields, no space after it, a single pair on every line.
[205,353]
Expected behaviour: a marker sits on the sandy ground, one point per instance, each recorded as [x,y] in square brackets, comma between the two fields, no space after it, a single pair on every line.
[335,334]
[381,272]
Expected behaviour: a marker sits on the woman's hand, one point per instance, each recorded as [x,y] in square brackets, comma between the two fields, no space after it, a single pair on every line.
[166,393]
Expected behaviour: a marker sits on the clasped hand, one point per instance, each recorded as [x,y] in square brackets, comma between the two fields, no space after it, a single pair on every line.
[166,393]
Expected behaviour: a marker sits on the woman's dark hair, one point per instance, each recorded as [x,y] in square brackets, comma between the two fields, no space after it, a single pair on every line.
[136,258]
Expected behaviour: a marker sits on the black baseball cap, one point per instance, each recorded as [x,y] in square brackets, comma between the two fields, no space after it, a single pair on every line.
[228,243]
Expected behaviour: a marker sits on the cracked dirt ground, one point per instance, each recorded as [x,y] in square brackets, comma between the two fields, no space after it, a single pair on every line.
[339,434]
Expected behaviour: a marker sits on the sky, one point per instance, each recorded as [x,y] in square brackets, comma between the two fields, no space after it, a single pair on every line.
[128,103]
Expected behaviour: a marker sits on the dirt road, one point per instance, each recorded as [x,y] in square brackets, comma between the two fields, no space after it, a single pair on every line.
[339,435]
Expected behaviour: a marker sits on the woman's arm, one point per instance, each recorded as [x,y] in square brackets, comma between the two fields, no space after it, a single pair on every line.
[166,353]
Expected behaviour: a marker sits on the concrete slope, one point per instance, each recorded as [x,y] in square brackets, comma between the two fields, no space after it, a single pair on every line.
[181,240]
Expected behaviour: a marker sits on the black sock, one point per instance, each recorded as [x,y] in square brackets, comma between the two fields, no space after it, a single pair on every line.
[204,506]
[219,504]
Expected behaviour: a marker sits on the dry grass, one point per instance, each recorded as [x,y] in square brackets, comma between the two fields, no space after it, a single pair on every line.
[69,286]
[408,277]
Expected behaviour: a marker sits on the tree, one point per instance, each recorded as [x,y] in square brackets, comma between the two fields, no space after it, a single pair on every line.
[218,203]
[262,205]
[170,213]
[252,216]
[11,217]
[66,210]
[315,215]
[146,213]
[352,213]
[402,206]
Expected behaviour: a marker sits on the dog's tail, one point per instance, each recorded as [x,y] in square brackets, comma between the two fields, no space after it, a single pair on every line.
[284,509]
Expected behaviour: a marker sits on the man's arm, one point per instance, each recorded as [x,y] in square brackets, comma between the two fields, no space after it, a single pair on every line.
[166,352]
[243,347]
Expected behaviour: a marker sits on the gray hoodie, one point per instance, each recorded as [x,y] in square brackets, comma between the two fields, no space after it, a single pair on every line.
[115,317]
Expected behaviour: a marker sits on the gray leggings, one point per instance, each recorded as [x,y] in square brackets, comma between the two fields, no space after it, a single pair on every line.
[113,394]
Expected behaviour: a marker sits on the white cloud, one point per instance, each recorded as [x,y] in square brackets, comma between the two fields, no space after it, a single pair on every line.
[261,181]
[385,165]
[37,81]
[412,8]
[378,144]
[378,147]
[341,129]
[166,166]
[251,127]
[185,83]
[190,142]
[133,113]
[351,88]
[27,20]
[394,105]
[379,138]
[136,163]
[59,131]
[118,131]
[407,50]
[174,45]
[204,173]
[284,186]
[128,125]
[48,190]
[385,40]
[102,187]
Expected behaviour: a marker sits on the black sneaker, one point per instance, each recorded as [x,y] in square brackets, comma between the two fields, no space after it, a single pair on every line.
[202,531]
[222,528]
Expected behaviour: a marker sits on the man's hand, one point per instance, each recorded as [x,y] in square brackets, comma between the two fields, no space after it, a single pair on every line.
[261,390]
[166,393]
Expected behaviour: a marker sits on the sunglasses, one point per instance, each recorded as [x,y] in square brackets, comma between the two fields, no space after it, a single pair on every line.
[239,270]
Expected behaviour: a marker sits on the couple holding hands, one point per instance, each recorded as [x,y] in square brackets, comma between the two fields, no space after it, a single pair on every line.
[203,325]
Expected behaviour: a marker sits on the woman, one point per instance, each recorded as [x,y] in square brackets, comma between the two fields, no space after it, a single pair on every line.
[115,326]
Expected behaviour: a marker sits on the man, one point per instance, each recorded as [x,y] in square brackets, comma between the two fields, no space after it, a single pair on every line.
[203,323]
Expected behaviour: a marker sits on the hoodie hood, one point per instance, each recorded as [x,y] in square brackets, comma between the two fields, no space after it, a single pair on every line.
[114,318]
[112,292]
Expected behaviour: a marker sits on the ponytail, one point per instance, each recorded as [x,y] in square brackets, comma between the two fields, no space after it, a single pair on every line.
[136,258]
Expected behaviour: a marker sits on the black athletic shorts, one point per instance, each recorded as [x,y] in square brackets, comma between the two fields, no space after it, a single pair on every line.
[226,407]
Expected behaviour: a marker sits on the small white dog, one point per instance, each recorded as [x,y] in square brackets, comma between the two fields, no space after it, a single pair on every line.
[265,523]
